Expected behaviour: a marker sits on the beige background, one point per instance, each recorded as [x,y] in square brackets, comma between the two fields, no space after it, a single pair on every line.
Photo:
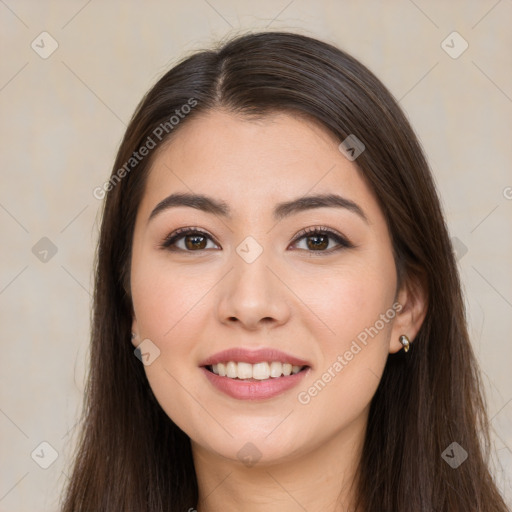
[62,119]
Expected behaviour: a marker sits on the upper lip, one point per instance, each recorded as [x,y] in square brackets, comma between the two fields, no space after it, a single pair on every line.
[244,355]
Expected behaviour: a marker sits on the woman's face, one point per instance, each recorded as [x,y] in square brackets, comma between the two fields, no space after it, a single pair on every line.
[282,280]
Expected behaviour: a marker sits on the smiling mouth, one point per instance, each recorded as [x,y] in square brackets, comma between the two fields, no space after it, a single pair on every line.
[254,372]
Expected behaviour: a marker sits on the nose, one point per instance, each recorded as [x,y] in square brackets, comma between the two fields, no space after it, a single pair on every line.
[252,296]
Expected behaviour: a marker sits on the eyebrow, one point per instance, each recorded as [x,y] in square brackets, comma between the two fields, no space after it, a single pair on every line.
[281,210]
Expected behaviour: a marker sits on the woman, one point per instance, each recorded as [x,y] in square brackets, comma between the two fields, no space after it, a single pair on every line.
[278,320]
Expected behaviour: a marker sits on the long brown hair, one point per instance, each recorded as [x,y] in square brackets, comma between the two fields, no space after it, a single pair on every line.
[130,456]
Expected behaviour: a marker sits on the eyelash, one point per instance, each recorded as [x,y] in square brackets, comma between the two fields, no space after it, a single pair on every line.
[171,239]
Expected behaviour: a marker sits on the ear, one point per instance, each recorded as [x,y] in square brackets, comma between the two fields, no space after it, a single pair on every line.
[135,340]
[413,298]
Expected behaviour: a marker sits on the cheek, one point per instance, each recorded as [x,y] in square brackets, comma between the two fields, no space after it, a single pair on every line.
[350,300]
[352,362]
[357,306]
[166,298]
[169,308]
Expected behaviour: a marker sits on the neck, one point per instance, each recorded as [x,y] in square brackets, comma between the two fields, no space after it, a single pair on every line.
[323,479]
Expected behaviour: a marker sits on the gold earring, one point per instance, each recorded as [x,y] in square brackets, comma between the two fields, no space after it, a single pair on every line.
[404,340]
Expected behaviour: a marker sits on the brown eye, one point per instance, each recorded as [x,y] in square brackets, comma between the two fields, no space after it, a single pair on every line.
[188,240]
[193,242]
[317,242]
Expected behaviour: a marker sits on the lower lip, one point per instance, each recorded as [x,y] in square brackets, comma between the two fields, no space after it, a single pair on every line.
[254,390]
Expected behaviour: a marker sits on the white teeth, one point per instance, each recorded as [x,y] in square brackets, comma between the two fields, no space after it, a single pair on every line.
[276,369]
[258,371]
[232,370]
[244,370]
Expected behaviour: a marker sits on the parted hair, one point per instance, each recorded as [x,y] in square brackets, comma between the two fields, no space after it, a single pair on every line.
[130,456]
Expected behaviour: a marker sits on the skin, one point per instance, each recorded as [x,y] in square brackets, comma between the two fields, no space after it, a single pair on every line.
[309,304]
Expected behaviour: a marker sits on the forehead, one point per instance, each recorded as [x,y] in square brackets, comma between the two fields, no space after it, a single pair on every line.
[250,163]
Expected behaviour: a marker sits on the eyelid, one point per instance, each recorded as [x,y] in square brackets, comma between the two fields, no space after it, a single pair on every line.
[340,239]
[169,239]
